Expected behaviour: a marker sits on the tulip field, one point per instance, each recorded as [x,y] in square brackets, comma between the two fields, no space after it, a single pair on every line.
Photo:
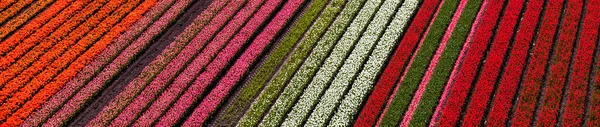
[295,63]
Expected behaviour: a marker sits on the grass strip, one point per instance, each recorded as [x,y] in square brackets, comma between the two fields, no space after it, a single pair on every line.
[259,107]
[424,54]
[258,81]
[427,95]
[391,73]
[450,115]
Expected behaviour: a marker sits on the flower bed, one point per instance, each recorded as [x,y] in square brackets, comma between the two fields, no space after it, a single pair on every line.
[390,74]
[21,39]
[579,76]
[267,97]
[559,65]
[32,79]
[92,69]
[33,10]
[30,65]
[216,96]
[484,84]
[343,64]
[508,83]
[353,99]
[51,87]
[450,114]
[276,57]
[525,106]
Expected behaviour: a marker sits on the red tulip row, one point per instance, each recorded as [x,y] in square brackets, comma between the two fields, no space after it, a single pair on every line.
[17,21]
[37,34]
[71,88]
[536,68]
[192,94]
[507,85]
[76,62]
[29,86]
[155,69]
[593,119]
[553,91]
[450,113]
[583,58]
[13,10]
[494,59]
[371,110]
[20,78]
[240,67]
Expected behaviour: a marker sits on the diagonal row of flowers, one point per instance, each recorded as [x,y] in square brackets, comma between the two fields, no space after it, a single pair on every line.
[126,46]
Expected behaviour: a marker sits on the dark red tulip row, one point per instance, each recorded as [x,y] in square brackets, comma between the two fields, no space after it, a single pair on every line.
[509,81]
[536,68]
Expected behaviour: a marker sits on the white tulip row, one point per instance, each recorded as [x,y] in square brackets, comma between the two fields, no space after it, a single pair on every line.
[291,92]
[327,72]
[355,97]
[313,91]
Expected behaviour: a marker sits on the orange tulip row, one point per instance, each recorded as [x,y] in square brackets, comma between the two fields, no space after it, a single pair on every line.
[14,23]
[42,39]
[34,26]
[6,3]
[12,10]
[39,64]
[58,49]
[78,64]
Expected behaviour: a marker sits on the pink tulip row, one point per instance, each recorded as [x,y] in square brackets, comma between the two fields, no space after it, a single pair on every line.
[188,74]
[126,118]
[208,105]
[93,68]
[137,85]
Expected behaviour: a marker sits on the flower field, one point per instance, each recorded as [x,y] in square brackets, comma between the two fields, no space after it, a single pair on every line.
[299,63]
